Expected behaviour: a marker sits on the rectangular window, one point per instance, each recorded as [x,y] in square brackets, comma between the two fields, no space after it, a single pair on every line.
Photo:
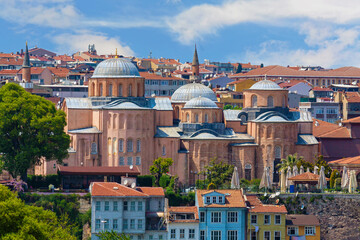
[98,206]
[173,233]
[138,145]
[132,223]
[140,206]
[216,217]
[121,145]
[97,224]
[115,206]
[267,235]
[277,219]
[214,199]
[129,161]
[121,161]
[232,235]
[292,231]
[267,219]
[107,206]
[106,224]
[182,233]
[125,205]
[254,219]
[331,111]
[115,224]
[138,161]
[215,235]
[202,235]
[129,145]
[151,237]
[220,197]
[132,206]
[277,235]
[232,217]
[161,237]
[319,111]
[202,216]
[125,224]
[191,233]
[253,235]
[208,200]
[140,224]
[310,230]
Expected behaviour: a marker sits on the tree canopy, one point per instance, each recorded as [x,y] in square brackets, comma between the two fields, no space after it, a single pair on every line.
[19,221]
[290,161]
[218,173]
[31,128]
[112,235]
[160,166]
[239,68]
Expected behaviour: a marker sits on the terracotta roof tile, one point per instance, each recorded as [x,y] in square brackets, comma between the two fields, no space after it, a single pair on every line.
[322,129]
[152,191]
[353,97]
[346,161]
[233,198]
[307,176]
[259,207]
[153,76]
[186,210]
[302,220]
[114,189]
[11,61]
[352,120]
[9,71]
[59,71]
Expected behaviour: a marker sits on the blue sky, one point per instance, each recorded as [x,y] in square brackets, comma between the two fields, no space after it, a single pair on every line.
[284,32]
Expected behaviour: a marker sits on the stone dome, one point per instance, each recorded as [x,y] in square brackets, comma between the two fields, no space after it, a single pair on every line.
[192,90]
[116,68]
[200,102]
[265,85]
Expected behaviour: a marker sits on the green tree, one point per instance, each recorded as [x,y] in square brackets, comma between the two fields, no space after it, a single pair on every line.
[112,235]
[239,68]
[218,173]
[319,161]
[305,165]
[31,128]
[228,106]
[20,221]
[335,174]
[290,161]
[160,166]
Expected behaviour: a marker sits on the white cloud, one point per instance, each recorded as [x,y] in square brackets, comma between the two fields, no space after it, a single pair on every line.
[79,42]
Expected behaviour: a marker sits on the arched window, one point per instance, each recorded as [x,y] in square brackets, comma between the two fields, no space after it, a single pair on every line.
[120,90]
[138,145]
[187,117]
[254,101]
[163,150]
[129,145]
[270,101]
[114,146]
[109,146]
[93,148]
[130,90]
[277,152]
[93,89]
[100,89]
[110,90]
[196,118]
[138,90]
[248,171]
[206,118]
[121,145]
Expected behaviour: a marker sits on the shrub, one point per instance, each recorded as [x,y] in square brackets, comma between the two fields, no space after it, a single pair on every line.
[164,181]
[337,184]
[333,176]
[40,181]
[145,181]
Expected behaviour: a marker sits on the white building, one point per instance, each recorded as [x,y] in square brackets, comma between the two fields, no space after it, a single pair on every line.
[183,223]
[137,212]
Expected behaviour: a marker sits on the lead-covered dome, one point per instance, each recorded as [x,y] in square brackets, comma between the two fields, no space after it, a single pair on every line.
[116,68]
[265,85]
[200,102]
[190,91]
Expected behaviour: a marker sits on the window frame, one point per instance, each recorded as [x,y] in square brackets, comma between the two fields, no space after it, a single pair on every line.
[277,237]
[202,234]
[275,220]
[265,217]
[313,228]
[202,216]
[191,233]
[269,235]
[98,206]
[232,218]
[214,218]
[173,233]
[212,235]
[106,206]
[255,217]
[296,230]
[182,233]
[115,206]
[232,235]
[115,224]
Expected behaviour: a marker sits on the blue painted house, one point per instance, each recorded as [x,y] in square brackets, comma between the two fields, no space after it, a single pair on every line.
[222,214]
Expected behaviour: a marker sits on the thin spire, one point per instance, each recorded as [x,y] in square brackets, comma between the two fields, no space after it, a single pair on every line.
[26,62]
[195,61]
[116,56]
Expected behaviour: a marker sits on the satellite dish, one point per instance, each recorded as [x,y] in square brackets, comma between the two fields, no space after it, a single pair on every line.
[133,185]
[131,167]
[125,182]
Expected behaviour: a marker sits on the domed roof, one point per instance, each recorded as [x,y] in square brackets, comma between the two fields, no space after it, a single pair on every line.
[116,68]
[200,102]
[265,85]
[192,90]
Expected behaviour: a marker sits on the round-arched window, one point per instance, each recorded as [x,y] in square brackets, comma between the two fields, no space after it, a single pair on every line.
[254,101]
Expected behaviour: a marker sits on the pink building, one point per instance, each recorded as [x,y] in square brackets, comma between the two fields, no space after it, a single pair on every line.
[116,125]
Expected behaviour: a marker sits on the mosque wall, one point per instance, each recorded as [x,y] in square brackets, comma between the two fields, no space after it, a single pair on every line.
[265,98]
[195,115]
[78,118]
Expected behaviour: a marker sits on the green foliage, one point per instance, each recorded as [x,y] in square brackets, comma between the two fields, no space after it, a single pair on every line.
[164,181]
[21,221]
[290,161]
[239,68]
[145,180]
[337,183]
[254,184]
[228,106]
[40,181]
[112,235]
[218,173]
[335,174]
[211,186]
[305,164]
[176,199]
[160,166]
[244,183]
[30,128]
[319,161]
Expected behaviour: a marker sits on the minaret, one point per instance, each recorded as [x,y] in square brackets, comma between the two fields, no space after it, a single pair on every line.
[26,68]
[195,67]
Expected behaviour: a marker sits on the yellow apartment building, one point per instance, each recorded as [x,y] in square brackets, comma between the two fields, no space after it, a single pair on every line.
[302,227]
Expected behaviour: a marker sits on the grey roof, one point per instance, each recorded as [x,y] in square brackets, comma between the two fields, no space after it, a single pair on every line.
[84,103]
[161,104]
[163,132]
[306,139]
[244,144]
[116,68]
[265,85]
[192,90]
[271,116]
[300,116]
[124,105]
[200,102]
[208,134]
[85,130]
[232,115]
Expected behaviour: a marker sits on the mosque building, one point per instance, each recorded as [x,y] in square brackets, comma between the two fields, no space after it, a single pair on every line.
[116,125]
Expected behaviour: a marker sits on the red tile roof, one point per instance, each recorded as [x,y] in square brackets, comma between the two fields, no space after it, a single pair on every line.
[152,191]
[11,61]
[114,189]
[7,55]
[307,176]
[302,220]
[153,76]
[352,97]
[290,83]
[233,198]
[59,71]
[322,129]
[347,161]
[256,206]
[161,61]
[64,58]
[185,210]
[352,120]
[121,170]
[9,71]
